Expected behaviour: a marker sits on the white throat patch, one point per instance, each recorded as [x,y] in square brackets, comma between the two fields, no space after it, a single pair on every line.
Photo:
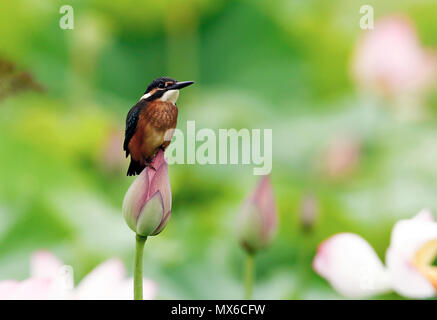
[170,95]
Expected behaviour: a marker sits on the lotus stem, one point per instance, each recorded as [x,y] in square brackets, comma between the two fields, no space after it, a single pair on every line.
[249,272]
[138,267]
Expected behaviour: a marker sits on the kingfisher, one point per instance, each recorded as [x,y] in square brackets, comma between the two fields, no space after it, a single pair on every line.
[151,122]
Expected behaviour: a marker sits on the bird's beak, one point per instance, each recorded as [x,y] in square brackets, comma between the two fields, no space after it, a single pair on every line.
[180,85]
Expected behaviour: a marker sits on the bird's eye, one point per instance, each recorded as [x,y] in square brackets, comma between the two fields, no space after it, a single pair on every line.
[161,85]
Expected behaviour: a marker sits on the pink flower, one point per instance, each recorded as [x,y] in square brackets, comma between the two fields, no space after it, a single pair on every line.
[353,268]
[50,279]
[108,282]
[390,60]
[45,281]
[341,157]
[147,203]
[111,157]
[258,219]
[309,212]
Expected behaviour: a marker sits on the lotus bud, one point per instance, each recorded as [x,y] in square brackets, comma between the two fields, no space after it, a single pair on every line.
[147,203]
[390,60]
[342,157]
[309,212]
[258,219]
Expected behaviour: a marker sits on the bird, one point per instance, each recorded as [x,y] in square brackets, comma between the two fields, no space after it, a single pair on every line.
[150,123]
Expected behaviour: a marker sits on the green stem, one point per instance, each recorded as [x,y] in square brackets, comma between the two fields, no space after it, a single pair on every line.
[138,268]
[249,272]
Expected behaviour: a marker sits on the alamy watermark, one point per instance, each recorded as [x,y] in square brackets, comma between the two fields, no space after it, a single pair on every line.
[366,21]
[223,146]
[67,20]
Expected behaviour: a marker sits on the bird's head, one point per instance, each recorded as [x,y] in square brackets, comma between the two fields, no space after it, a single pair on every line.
[164,89]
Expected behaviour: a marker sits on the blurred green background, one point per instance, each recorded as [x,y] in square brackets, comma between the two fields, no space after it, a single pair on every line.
[281,64]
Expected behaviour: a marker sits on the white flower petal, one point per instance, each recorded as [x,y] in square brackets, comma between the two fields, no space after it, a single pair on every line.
[7,289]
[424,215]
[44,264]
[408,236]
[126,290]
[50,280]
[29,289]
[351,266]
[101,283]
[107,282]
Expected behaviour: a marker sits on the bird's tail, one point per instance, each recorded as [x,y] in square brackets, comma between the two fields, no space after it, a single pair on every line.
[135,168]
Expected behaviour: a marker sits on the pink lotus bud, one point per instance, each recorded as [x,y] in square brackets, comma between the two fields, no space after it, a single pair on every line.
[258,218]
[111,157]
[309,212]
[390,59]
[342,157]
[147,203]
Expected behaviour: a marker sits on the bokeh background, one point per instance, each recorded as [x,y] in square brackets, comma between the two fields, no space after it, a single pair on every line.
[346,156]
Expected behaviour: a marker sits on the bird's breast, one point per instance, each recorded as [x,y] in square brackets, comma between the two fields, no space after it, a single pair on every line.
[161,115]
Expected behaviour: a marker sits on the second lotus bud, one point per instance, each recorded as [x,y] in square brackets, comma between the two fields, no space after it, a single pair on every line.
[258,219]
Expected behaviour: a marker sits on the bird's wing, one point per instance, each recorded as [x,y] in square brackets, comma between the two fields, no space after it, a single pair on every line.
[131,124]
